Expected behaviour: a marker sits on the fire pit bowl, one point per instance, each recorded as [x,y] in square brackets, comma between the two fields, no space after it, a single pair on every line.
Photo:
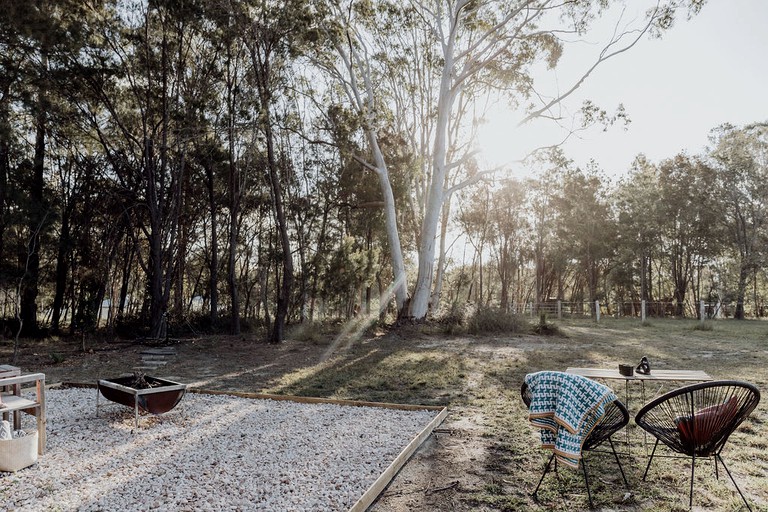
[150,394]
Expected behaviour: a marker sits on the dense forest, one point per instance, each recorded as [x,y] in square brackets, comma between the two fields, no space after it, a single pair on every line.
[224,164]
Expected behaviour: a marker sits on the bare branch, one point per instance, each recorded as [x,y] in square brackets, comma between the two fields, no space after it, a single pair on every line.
[365,164]
[605,54]
[472,179]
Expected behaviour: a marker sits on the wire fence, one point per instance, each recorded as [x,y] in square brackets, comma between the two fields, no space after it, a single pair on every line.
[639,309]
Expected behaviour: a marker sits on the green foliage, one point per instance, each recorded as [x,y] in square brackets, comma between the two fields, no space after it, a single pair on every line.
[153,126]
[351,266]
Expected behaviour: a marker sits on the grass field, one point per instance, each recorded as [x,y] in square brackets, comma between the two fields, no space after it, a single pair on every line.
[479,377]
[485,456]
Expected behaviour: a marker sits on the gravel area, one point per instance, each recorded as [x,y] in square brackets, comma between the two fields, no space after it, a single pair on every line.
[212,452]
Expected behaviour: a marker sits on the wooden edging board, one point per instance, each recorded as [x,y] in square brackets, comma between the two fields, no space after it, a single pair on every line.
[386,477]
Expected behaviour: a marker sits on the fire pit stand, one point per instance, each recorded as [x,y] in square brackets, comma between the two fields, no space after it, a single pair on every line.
[162,395]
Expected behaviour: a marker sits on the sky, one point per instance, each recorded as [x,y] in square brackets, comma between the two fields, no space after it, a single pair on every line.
[705,71]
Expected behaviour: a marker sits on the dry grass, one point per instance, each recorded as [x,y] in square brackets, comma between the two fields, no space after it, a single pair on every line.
[479,377]
[729,350]
[487,457]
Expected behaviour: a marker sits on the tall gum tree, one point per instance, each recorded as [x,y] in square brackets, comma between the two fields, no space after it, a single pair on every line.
[492,45]
[586,225]
[133,116]
[353,73]
[686,221]
[271,42]
[478,48]
[639,244]
[37,38]
[741,157]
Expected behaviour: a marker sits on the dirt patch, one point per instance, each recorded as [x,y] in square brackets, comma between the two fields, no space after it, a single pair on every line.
[217,362]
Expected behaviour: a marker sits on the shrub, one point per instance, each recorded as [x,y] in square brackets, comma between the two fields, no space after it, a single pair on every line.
[127,327]
[56,357]
[545,328]
[490,320]
[454,320]
[704,326]
[312,332]
[200,323]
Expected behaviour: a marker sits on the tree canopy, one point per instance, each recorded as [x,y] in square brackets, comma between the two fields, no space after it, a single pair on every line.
[199,162]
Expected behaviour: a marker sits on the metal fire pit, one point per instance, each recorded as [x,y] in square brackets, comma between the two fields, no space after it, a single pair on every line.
[163,396]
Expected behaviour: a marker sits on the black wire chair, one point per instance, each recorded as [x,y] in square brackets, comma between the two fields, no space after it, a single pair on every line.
[697,420]
[615,418]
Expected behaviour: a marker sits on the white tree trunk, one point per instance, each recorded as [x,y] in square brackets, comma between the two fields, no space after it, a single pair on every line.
[436,195]
[438,286]
[471,54]
[364,104]
[400,285]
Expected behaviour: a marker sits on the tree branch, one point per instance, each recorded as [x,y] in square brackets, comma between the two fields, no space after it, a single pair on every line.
[471,180]
[605,54]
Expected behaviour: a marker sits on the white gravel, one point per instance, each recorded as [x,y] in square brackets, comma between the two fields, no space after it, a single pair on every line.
[212,452]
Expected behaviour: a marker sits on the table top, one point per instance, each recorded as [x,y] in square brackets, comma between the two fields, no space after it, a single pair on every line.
[607,373]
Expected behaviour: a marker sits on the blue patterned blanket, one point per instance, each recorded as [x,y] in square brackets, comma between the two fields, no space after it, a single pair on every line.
[566,408]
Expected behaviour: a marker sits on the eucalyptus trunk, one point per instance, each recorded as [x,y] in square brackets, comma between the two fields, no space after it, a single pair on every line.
[5,166]
[438,288]
[234,211]
[741,292]
[213,282]
[155,238]
[30,261]
[390,220]
[284,294]
[62,269]
[436,194]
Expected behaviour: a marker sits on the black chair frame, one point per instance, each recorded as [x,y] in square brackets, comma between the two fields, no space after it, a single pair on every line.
[661,418]
[615,418]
